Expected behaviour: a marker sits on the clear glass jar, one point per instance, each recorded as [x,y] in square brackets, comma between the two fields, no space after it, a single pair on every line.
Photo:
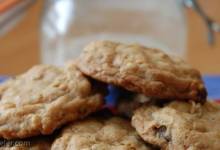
[68,25]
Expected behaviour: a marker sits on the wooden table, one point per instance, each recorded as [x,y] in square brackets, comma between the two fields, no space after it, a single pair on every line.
[19,49]
[201,55]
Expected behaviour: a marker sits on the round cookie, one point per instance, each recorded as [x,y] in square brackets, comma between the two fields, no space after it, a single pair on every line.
[99,134]
[180,125]
[43,99]
[143,70]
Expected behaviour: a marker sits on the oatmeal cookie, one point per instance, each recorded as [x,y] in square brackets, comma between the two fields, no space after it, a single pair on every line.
[43,99]
[143,70]
[99,134]
[180,125]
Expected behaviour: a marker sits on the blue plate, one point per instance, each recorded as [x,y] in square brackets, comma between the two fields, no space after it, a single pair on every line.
[2,78]
[212,84]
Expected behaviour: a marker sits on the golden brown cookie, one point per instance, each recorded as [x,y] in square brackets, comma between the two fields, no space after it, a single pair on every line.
[43,99]
[180,126]
[99,134]
[143,70]
[126,105]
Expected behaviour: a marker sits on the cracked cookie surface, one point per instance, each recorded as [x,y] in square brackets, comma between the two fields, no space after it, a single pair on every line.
[143,70]
[99,134]
[180,125]
[43,99]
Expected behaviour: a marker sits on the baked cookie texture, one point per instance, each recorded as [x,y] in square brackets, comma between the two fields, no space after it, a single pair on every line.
[143,70]
[128,104]
[99,134]
[43,99]
[180,126]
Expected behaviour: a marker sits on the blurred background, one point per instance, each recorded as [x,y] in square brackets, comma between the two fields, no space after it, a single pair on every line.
[53,31]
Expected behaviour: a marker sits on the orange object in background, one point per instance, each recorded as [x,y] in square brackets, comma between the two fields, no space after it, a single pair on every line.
[200,54]
[19,48]
[7,4]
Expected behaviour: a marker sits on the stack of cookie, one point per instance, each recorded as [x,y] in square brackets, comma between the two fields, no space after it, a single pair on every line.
[62,108]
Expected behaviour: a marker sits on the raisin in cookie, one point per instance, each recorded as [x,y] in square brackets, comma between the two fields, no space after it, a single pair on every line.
[143,70]
[180,126]
[43,99]
[99,134]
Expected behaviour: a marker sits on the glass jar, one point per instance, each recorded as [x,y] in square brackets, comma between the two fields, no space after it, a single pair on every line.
[68,25]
